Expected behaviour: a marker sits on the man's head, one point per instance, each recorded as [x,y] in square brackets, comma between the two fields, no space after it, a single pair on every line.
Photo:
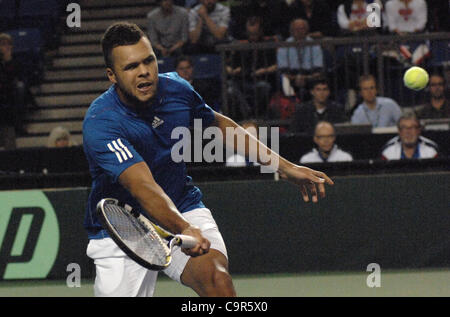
[253,28]
[209,4]
[320,91]
[131,64]
[437,86]
[409,129]
[299,29]
[166,5]
[324,136]
[185,68]
[368,88]
[6,47]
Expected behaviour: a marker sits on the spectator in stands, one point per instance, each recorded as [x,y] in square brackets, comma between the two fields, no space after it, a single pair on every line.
[439,106]
[59,137]
[237,160]
[209,88]
[208,26]
[326,150]
[14,95]
[319,17]
[298,65]
[352,17]
[168,28]
[253,71]
[408,17]
[267,10]
[438,13]
[409,144]
[320,108]
[374,110]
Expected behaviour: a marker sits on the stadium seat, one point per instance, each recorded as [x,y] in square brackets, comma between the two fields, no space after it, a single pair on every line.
[166,64]
[7,13]
[26,40]
[39,8]
[28,48]
[207,66]
[440,53]
[42,14]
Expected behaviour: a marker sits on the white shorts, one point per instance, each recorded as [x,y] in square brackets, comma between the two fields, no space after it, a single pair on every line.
[119,276]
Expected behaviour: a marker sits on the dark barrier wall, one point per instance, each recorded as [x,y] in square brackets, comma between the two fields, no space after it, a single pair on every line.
[397,221]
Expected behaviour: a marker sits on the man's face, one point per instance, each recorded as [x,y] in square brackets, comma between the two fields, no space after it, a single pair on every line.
[209,4]
[368,90]
[253,31]
[185,70]
[6,49]
[135,71]
[320,93]
[437,87]
[409,132]
[299,29]
[166,5]
[324,137]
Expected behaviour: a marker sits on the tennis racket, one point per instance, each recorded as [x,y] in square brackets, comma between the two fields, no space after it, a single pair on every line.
[143,241]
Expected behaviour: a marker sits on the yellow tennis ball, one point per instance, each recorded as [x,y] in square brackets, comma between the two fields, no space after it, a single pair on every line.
[416,78]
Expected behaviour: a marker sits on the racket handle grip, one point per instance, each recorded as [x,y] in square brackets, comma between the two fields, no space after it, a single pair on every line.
[185,241]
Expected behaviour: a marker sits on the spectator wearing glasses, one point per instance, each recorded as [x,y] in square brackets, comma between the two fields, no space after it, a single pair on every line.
[409,144]
[326,149]
[438,107]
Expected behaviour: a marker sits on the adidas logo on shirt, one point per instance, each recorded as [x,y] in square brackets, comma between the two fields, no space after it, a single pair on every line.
[157,122]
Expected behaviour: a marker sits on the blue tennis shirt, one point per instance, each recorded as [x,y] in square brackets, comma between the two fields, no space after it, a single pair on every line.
[116,137]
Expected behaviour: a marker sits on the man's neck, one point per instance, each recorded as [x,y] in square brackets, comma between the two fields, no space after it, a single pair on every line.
[437,103]
[320,105]
[371,105]
[409,150]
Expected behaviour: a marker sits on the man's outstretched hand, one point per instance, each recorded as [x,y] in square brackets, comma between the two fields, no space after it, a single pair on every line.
[310,182]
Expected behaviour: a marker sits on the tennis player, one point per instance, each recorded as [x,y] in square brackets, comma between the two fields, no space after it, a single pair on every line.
[127,141]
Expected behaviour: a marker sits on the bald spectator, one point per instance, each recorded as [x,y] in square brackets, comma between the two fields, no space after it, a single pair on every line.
[298,65]
[409,144]
[326,150]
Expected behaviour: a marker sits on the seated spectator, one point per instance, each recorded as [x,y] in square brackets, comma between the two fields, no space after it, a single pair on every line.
[267,10]
[15,96]
[208,26]
[408,17]
[374,110]
[60,137]
[237,160]
[209,89]
[253,71]
[438,13]
[439,106]
[298,65]
[326,150]
[318,15]
[320,108]
[352,17]
[409,144]
[168,28]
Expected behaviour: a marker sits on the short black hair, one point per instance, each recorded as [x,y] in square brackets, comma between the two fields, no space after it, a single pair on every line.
[183,58]
[317,81]
[118,34]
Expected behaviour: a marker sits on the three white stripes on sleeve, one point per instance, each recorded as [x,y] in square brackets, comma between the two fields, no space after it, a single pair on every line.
[121,151]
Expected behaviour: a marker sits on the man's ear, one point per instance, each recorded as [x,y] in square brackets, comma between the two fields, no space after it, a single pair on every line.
[111,75]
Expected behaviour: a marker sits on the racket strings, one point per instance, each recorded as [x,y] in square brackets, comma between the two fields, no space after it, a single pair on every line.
[138,237]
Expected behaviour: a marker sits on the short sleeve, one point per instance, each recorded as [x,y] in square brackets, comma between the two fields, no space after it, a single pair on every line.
[107,147]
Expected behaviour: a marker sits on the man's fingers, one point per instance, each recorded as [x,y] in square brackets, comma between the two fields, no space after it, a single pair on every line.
[313,190]
[304,192]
